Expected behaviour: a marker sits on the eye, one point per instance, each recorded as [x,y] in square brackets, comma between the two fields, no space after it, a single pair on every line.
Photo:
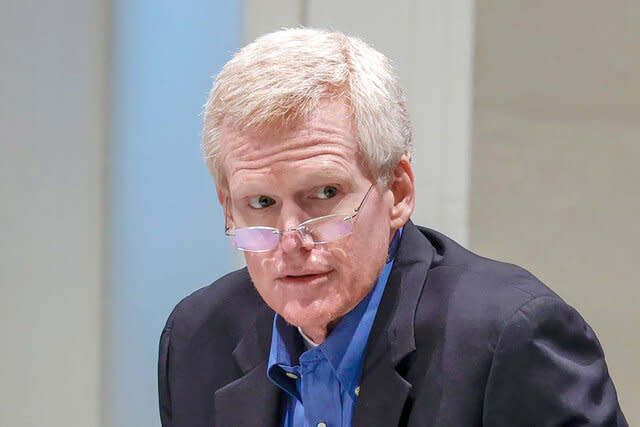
[326,192]
[260,202]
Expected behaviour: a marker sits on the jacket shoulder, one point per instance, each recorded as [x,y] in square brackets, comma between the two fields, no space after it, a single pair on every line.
[496,288]
[473,297]
[533,358]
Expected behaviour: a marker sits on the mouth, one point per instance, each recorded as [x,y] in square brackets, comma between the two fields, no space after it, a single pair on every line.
[304,279]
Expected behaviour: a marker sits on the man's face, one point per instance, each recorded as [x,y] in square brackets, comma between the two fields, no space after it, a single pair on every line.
[281,179]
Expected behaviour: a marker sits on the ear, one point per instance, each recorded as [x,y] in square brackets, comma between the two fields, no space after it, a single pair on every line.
[403,190]
[222,197]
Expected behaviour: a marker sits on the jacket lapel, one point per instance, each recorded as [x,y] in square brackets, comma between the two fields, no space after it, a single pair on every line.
[252,399]
[383,391]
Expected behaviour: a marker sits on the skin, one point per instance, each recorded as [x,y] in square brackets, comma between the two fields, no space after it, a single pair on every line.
[295,174]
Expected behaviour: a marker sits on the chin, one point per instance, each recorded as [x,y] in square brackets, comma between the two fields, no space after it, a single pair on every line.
[308,316]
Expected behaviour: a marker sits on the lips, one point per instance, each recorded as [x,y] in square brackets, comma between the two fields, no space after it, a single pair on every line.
[303,278]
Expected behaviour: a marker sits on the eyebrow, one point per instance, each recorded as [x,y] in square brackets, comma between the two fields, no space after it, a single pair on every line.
[328,176]
[324,176]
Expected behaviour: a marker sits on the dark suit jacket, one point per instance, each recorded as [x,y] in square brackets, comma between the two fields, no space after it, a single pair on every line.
[458,340]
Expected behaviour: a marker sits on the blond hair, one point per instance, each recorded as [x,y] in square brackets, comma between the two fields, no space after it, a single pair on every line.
[279,79]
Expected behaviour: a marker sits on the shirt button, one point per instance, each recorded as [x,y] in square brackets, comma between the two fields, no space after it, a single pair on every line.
[321,425]
[291,375]
[357,391]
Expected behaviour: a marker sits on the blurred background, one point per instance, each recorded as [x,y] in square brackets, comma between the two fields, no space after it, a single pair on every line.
[527,140]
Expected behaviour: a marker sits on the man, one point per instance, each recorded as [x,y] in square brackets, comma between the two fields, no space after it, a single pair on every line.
[347,313]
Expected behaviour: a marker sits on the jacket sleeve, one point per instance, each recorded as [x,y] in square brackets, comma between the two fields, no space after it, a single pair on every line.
[164,392]
[548,369]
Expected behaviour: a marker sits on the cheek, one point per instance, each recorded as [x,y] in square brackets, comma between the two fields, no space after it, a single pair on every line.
[372,240]
[260,266]
[360,262]
[261,271]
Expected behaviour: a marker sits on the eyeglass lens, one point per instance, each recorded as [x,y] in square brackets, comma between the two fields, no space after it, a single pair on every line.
[320,231]
[329,229]
[255,239]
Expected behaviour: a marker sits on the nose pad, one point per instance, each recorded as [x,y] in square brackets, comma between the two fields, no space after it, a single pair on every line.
[291,239]
[306,239]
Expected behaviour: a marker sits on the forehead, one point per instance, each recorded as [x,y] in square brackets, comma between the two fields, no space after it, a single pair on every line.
[323,145]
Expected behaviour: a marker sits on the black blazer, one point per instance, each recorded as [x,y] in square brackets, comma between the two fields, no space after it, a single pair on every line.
[458,340]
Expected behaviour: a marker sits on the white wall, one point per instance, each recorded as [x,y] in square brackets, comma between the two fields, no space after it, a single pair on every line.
[52,104]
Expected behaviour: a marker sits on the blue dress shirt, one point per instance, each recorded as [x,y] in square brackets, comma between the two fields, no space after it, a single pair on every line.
[321,383]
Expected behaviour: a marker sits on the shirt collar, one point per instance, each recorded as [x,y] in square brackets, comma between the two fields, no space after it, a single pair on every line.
[308,344]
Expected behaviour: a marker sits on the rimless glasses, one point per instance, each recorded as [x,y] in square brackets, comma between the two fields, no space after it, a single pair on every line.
[323,229]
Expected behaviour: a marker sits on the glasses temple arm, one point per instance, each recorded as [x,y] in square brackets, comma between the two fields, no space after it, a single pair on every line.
[227,228]
[356,210]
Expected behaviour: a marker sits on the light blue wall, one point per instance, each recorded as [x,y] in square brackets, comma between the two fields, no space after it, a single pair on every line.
[165,229]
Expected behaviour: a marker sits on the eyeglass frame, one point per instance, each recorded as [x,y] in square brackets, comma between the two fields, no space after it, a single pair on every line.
[229,232]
